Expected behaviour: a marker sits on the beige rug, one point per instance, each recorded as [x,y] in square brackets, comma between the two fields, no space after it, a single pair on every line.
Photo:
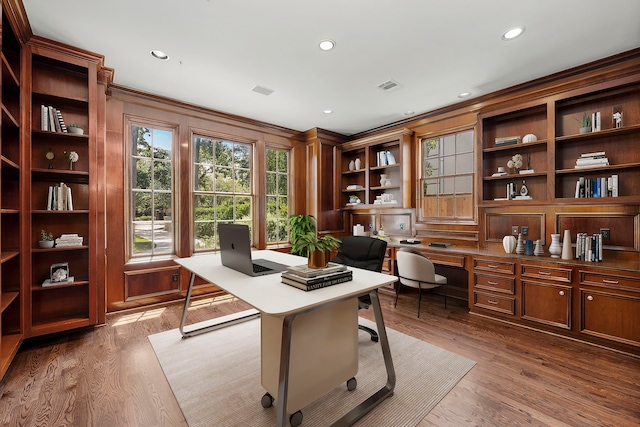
[216,379]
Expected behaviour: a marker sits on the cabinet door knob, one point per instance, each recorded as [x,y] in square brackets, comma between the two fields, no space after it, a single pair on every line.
[589,298]
[561,293]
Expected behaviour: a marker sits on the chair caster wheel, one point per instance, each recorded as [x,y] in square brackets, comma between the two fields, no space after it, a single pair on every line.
[352,384]
[267,400]
[296,419]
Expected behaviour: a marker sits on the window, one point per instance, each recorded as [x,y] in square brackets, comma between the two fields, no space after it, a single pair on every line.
[447,177]
[222,188]
[277,193]
[151,182]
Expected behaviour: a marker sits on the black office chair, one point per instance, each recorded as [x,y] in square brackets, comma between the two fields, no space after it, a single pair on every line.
[362,252]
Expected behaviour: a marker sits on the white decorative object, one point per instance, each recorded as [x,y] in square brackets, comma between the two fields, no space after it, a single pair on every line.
[529,138]
[357,162]
[358,230]
[383,179]
[538,251]
[352,165]
[520,245]
[567,253]
[509,244]
[555,249]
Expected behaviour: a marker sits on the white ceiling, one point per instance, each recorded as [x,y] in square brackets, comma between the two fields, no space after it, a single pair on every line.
[435,49]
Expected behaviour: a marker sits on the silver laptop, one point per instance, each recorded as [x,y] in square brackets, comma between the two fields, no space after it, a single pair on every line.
[235,252]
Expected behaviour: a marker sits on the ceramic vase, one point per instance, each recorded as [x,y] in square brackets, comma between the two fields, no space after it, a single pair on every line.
[520,245]
[352,165]
[567,252]
[383,179]
[509,244]
[538,251]
[554,248]
[357,163]
[528,247]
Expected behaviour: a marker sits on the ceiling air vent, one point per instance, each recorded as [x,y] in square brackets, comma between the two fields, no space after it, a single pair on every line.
[389,85]
[263,90]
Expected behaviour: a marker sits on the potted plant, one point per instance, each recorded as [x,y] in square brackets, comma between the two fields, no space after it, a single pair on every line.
[306,242]
[46,239]
[585,123]
[73,128]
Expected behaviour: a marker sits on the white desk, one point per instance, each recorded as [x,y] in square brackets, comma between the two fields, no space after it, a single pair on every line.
[268,295]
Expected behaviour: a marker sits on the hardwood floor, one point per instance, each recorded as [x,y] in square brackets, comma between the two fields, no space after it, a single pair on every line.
[109,376]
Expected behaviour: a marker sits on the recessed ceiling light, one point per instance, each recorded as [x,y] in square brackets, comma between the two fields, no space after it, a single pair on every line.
[327,44]
[409,113]
[513,33]
[464,94]
[158,54]
[328,111]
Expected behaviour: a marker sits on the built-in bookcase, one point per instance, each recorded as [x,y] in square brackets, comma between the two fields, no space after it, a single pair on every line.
[11,255]
[66,84]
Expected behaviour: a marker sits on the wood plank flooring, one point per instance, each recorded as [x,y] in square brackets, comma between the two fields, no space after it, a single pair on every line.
[109,376]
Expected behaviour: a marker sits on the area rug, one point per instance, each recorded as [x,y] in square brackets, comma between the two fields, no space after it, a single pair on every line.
[215,378]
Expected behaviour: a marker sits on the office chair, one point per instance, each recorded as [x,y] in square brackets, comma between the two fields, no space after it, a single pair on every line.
[362,252]
[417,271]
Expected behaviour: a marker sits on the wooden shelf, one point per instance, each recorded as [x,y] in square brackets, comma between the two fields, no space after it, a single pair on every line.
[515,147]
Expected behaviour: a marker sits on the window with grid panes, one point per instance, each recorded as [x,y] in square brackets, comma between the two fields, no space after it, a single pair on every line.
[277,195]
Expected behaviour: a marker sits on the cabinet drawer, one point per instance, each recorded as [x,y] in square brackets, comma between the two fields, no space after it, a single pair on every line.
[496,303]
[495,283]
[495,266]
[609,280]
[547,273]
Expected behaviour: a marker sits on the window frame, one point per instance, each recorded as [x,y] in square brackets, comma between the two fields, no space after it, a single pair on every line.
[289,195]
[454,219]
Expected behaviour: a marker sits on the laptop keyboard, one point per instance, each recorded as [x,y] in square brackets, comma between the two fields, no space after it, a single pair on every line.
[260,268]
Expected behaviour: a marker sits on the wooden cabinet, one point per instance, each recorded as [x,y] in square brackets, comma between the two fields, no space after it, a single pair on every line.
[551,159]
[546,295]
[378,171]
[67,83]
[494,285]
[11,255]
[610,306]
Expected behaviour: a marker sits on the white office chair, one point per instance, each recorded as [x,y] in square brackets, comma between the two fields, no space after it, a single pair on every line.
[417,271]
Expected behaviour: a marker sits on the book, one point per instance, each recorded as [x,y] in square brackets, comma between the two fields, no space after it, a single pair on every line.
[63,127]
[614,186]
[305,271]
[391,159]
[509,140]
[322,284]
[44,117]
[592,161]
[317,279]
[593,154]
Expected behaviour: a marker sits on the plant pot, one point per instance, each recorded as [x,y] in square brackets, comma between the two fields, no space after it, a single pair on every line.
[76,130]
[45,244]
[317,259]
[585,130]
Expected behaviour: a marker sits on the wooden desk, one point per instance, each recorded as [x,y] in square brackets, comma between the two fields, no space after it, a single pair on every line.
[275,299]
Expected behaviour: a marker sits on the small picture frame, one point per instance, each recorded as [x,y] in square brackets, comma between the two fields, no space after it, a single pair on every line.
[59,272]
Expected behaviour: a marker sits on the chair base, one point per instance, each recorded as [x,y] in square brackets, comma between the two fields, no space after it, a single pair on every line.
[374,334]
[444,287]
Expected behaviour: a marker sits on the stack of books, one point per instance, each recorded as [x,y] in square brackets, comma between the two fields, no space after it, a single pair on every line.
[509,140]
[385,158]
[51,119]
[592,160]
[597,187]
[308,279]
[68,240]
[59,198]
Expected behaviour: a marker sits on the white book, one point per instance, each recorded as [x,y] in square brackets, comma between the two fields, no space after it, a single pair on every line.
[577,195]
[50,198]
[52,120]
[69,199]
[391,158]
[593,154]
[614,185]
[44,117]
[592,161]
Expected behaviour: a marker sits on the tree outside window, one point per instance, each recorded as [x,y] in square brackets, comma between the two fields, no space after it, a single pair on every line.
[151,191]
[277,170]
[222,188]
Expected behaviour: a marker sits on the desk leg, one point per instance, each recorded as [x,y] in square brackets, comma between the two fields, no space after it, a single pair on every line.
[224,322]
[283,376]
[387,391]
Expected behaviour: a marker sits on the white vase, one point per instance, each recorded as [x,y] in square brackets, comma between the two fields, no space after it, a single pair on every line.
[538,251]
[555,249]
[357,162]
[567,253]
[520,245]
[383,179]
[352,165]
[509,244]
